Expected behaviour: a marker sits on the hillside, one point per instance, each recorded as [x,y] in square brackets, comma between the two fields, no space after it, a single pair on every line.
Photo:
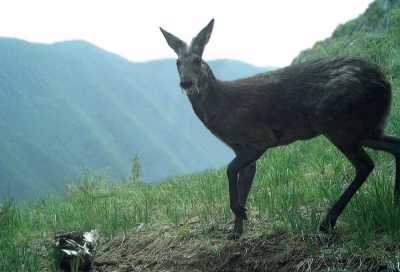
[374,35]
[182,223]
[70,106]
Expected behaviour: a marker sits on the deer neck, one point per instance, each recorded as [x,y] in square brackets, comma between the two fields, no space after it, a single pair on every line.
[205,101]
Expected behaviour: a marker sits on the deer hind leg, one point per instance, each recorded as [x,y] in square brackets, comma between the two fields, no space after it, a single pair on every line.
[363,166]
[392,145]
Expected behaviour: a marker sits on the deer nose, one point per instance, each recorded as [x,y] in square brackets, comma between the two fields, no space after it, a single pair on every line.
[186,84]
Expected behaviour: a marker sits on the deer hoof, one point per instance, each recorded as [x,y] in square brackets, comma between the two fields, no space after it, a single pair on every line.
[234,235]
[326,227]
[237,229]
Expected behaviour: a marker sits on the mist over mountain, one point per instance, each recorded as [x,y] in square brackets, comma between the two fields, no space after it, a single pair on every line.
[69,106]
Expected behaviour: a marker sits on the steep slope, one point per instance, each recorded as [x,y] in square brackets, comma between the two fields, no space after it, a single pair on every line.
[69,106]
[374,35]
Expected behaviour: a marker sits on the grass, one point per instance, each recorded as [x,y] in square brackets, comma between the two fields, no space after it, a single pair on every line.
[293,188]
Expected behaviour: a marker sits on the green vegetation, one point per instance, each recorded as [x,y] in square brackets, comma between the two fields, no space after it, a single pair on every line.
[294,187]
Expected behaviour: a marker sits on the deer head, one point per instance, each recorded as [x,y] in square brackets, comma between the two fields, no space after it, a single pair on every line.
[193,70]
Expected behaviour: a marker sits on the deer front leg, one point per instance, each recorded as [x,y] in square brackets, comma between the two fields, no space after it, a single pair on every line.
[240,174]
[246,177]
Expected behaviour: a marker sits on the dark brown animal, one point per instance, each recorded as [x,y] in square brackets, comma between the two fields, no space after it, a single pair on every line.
[345,99]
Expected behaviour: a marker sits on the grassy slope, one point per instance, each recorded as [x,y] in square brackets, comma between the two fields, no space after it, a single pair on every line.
[186,217]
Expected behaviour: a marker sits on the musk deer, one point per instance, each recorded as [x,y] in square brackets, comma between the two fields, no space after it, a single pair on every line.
[345,99]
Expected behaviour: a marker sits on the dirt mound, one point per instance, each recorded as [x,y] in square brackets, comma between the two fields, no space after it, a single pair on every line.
[195,247]
[262,254]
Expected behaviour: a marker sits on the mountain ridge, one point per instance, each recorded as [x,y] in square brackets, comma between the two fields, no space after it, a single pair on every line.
[72,105]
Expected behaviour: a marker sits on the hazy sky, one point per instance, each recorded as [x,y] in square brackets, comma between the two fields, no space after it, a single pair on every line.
[265,32]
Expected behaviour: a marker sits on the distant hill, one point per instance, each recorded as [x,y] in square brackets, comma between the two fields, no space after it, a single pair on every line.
[71,105]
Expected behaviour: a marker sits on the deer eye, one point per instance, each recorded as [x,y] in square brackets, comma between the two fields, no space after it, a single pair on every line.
[178,63]
[197,61]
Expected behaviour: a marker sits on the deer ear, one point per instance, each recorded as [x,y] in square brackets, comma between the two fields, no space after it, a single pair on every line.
[174,42]
[199,42]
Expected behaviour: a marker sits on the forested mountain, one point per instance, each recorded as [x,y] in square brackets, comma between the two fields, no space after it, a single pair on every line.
[69,106]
